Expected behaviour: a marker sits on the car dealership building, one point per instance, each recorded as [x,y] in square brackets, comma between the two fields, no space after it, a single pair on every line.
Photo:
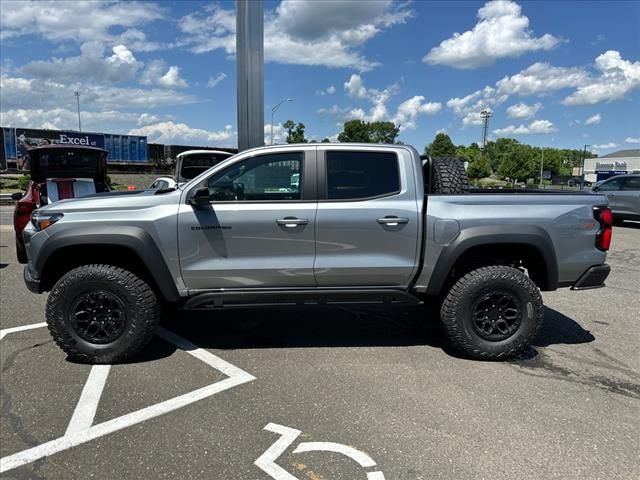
[616,163]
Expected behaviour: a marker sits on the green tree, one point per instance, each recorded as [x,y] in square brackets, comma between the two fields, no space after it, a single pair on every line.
[325,140]
[295,133]
[369,132]
[479,167]
[442,146]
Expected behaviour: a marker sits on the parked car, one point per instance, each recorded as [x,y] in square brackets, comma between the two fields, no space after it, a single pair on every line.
[363,224]
[58,172]
[623,192]
[189,165]
[162,183]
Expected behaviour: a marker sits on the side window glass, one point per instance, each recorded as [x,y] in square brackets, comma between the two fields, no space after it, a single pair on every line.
[614,184]
[274,177]
[360,175]
[632,183]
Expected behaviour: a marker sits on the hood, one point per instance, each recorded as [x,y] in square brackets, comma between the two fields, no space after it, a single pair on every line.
[127,200]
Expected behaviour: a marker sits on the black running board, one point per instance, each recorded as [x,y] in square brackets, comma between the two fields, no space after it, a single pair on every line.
[247,298]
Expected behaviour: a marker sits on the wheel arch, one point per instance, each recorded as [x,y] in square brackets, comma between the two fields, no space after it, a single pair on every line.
[131,248]
[492,245]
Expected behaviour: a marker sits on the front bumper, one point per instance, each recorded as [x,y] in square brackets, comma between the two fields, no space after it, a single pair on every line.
[594,277]
[31,279]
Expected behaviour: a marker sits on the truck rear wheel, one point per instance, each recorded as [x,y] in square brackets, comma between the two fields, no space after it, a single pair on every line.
[492,313]
[449,176]
[102,314]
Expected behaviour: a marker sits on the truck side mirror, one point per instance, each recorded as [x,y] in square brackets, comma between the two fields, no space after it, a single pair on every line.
[199,197]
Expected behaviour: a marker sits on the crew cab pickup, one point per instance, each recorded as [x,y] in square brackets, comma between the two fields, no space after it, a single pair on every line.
[314,225]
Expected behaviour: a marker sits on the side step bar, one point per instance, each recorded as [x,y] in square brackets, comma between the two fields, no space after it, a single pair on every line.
[246,298]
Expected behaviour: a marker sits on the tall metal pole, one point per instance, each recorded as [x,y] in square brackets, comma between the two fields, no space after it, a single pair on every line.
[541,167]
[273,112]
[584,156]
[250,72]
[485,115]
[77,94]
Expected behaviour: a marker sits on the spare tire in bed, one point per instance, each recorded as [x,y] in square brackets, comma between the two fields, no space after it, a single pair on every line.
[449,176]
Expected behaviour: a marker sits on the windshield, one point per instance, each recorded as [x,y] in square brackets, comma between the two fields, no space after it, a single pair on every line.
[197,163]
[74,163]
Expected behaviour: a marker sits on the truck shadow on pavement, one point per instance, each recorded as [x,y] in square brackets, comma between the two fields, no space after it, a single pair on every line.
[334,327]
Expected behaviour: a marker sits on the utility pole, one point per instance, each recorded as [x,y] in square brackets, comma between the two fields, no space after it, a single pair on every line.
[77,95]
[485,115]
[584,156]
[250,72]
[273,112]
[541,167]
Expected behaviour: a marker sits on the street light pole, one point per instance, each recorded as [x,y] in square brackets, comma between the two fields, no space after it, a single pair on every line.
[273,112]
[584,156]
[77,95]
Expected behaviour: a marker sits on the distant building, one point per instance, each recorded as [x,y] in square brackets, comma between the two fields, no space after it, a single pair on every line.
[616,163]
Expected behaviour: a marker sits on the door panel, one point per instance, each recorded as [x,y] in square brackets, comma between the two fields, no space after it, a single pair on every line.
[357,243]
[258,231]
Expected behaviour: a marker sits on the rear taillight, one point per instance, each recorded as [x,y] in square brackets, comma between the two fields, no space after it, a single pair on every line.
[603,238]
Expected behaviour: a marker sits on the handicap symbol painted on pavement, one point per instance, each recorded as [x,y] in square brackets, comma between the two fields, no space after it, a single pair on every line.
[267,461]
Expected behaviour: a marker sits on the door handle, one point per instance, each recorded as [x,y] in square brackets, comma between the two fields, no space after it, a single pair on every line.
[392,221]
[292,222]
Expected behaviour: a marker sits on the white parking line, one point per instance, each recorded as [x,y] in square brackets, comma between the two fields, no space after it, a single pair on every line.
[6,331]
[356,455]
[85,411]
[236,376]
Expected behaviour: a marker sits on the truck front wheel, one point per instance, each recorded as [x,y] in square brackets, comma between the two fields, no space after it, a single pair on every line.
[102,314]
[492,313]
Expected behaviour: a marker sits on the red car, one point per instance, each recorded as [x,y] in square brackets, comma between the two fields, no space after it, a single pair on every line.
[58,172]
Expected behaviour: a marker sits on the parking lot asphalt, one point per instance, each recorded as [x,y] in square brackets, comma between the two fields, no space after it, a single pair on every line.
[333,393]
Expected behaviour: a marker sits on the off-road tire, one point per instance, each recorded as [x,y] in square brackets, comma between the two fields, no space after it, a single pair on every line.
[21,251]
[142,313]
[456,314]
[449,176]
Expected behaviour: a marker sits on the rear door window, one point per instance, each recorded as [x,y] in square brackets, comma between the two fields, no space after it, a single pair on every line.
[361,175]
[632,183]
[613,184]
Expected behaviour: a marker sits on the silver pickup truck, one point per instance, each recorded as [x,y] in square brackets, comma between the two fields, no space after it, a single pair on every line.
[314,224]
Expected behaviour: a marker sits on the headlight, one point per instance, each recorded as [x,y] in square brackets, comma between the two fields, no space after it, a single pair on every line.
[42,220]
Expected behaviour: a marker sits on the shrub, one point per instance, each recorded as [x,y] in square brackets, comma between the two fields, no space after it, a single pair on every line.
[23,182]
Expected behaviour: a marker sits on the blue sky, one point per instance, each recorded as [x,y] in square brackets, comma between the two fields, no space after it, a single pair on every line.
[554,73]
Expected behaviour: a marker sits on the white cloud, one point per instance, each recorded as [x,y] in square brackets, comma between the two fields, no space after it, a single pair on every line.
[90,65]
[502,31]
[409,110]
[535,127]
[17,92]
[213,81]
[406,113]
[330,90]
[469,107]
[354,87]
[279,134]
[632,140]
[617,78]
[522,110]
[181,133]
[157,73]
[541,78]
[328,33]
[79,21]
[593,120]
[604,146]
[62,118]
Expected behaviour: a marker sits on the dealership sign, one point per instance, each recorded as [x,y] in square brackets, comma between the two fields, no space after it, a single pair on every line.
[608,166]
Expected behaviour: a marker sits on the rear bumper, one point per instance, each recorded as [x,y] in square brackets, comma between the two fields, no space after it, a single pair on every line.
[593,277]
